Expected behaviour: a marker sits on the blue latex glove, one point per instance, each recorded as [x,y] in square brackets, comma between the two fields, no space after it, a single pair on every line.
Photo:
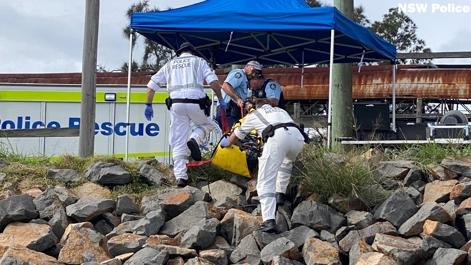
[225,142]
[149,112]
[223,104]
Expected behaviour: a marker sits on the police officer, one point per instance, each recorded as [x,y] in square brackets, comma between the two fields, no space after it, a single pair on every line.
[188,103]
[236,91]
[272,88]
[283,140]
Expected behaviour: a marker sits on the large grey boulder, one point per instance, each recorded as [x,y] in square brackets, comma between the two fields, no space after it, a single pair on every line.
[449,256]
[394,169]
[151,175]
[402,250]
[444,232]
[192,216]
[460,192]
[317,216]
[87,208]
[460,167]
[396,209]
[247,248]
[237,224]
[17,208]
[367,234]
[316,251]
[216,256]
[148,256]
[108,174]
[431,210]
[59,221]
[280,247]
[149,225]
[66,176]
[201,235]
[414,175]
[125,243]
[225,194]
[359,219]
[430,244]
[124,204]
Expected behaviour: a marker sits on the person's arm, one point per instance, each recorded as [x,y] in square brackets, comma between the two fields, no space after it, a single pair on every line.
[273,92]
[216,87]
[150,95]
[230,91]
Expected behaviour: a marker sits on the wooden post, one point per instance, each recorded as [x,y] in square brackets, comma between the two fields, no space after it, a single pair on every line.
[89,58]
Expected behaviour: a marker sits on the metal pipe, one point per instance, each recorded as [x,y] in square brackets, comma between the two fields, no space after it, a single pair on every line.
[302,72]
[128,97]
[394,98]
[331,69]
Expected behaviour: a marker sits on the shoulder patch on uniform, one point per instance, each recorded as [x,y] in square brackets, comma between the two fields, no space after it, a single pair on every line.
[273,86]
[238,75]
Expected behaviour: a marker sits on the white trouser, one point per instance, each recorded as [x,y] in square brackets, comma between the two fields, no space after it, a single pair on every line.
[182,117]
[274,167]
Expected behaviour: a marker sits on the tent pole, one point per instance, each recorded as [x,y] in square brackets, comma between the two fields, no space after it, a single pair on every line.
[331,69]
[302,71]
[128,96]
[394,97]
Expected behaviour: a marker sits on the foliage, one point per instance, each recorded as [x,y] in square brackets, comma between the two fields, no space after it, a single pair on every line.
[360,17]
[155,55]
[399,29]
[327,174]
[431,153]
[313,3]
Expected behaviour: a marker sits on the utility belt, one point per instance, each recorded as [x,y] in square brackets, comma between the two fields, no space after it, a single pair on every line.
[205,103]
[270,130]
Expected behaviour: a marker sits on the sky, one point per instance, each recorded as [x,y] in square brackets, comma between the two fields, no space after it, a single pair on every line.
[40,36]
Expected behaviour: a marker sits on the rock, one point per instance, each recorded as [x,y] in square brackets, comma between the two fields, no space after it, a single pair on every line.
[431,244]
[463,224]
[317,216]
[316,251]
[359,219]
[155,240]
[225,194]
[247,248]
[201,235]
[251,190]
[279,260]
[148,256]
[402,250]
[216,256]
[151,175]
[59,221]
[92,190]
[130,217]
[414,174]
[449,256]
[66,176]
[174,251]
[359,248]
[176,261]
[198,261]
[367,234]
[2,175]
[38,237]
[346,204]
[374,258]
[327,236]
[431,210]
[438,172]
[396,209]
[88,208]
[282,219]
[394,169]
[221,243]
[444,232]
[280,247]
[125,243]
[464,208]
[240,181]
[79,241]
[173,201]
[124,204]
[102,226]
[298,235]
[199,211]
[149,225]
[17,208]
[414,194]
[460,192]
[438,191]
[237,224]
[34,192]
[460,167]
[108,174]
[21,255]
[342,232]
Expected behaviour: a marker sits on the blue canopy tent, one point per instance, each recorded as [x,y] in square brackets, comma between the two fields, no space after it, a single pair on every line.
[270,31]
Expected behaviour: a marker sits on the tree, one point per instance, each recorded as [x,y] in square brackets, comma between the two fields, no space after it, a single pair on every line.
[399,29]
[155,55]
[360,18]
[313,3]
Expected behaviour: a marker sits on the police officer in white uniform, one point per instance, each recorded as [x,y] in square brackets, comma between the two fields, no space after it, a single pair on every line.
[283,140]
[188,103]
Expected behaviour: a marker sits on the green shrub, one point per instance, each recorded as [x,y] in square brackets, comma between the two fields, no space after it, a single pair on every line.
[430,153]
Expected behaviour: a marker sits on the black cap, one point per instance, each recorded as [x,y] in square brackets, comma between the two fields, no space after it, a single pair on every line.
[186,46]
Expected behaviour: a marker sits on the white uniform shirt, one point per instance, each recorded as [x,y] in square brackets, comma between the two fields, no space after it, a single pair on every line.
[184,76]
[262,117]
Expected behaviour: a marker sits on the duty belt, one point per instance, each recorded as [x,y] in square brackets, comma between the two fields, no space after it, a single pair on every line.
[269,131]
[205,103]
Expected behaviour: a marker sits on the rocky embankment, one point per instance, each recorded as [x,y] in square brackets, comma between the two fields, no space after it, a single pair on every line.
[425,220]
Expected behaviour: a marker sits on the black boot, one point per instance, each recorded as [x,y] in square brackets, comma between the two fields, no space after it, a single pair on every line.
[194,149]
[269,226]
[280,199]
[182,183]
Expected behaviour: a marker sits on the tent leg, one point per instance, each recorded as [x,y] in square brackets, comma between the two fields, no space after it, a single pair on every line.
[331,69]
[394,98]
[128,96]
[302,72]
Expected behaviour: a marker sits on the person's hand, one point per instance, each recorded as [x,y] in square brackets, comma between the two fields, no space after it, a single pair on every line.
[225,142]
[240,103]
[149,111]
[223,104]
